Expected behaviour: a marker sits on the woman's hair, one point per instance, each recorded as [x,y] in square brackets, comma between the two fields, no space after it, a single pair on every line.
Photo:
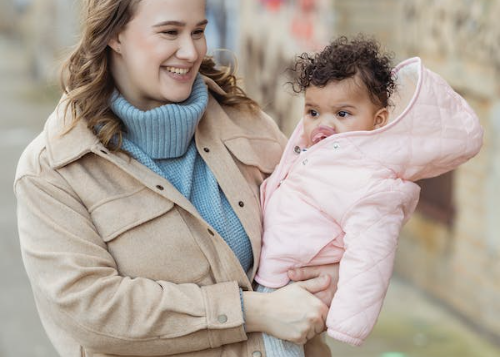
[87,81]
[342,59]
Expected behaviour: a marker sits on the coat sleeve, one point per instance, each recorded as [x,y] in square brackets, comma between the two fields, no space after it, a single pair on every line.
[76,279]
[372,228]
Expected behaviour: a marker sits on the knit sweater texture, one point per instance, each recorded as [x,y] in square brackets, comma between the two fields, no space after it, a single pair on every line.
[162,139]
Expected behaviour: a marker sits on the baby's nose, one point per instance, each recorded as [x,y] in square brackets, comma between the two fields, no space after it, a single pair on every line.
[328,120]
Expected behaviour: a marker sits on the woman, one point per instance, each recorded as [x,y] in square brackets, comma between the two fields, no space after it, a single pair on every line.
[138,204]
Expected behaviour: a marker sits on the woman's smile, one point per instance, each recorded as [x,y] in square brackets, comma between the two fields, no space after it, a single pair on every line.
[183,75]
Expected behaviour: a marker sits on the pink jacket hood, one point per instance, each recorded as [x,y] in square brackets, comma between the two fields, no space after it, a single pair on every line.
[414,148]
[424,148]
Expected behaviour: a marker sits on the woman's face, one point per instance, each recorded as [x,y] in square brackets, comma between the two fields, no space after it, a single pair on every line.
[156,57]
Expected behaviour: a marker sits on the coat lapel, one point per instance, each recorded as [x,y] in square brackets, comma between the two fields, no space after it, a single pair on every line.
[214,126]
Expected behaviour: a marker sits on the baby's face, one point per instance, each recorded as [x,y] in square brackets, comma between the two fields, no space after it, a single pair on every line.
[339,107]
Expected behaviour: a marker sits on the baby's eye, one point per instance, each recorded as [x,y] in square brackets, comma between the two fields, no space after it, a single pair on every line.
[312,113]
[343,114]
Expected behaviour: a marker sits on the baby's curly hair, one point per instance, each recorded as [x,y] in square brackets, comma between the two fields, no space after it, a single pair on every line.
[342,59]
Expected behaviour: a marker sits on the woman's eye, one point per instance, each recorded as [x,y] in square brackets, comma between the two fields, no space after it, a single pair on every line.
[170,32]
[198,33]
[343,114]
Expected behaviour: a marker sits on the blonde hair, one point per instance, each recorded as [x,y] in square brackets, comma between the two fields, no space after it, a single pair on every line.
[87,81]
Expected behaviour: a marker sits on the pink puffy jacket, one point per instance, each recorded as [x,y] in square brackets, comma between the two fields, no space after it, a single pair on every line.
[347,197]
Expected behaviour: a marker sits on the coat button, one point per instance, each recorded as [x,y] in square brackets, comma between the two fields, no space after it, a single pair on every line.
[206,149]
[160,187]
[241,203]
[210,232]
[222,319]
[257,354]
[297,151]
[336,145]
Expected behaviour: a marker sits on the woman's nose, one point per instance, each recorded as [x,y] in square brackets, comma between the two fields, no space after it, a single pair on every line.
[187,50]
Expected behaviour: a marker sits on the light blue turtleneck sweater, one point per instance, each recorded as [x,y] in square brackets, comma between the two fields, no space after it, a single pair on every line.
[162,139]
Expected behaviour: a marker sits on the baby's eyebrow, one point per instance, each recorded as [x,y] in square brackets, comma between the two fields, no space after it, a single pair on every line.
[343,106]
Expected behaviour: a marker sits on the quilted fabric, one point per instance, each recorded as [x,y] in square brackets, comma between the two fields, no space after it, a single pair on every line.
[346,198]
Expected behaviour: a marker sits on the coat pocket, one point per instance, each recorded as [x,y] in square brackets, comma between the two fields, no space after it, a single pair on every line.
[147,237]
[121,213]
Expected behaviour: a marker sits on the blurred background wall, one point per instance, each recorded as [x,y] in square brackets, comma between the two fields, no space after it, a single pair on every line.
[46,28]
[450,249]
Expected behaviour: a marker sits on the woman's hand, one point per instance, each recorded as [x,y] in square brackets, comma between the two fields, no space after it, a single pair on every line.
[305,273]
[291,313]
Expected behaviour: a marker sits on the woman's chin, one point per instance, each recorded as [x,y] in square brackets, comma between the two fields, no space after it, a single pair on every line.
[168,96]
[175,92]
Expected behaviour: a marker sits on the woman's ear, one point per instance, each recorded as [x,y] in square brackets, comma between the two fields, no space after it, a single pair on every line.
[381,118]
[115,44]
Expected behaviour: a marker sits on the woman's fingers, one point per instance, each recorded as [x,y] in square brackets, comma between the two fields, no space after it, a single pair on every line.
[315,316]
[317,324]
[305,273]
[331,270]
[315,285]
[291,313]
[326,296]
[310,272]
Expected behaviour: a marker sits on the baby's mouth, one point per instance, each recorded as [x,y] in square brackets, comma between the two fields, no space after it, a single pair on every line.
[321,133]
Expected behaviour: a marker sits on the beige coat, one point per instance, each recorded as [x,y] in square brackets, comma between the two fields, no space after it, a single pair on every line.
[121,263]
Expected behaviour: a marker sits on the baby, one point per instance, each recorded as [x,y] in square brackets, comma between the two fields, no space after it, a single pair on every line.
[345,184]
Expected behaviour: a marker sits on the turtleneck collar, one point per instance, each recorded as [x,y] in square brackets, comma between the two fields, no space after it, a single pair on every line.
[164,132]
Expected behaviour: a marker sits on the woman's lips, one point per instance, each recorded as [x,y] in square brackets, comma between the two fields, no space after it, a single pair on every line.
[320,133]
[181,75]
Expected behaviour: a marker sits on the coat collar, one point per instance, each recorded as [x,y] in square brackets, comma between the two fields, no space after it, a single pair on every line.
[65,146]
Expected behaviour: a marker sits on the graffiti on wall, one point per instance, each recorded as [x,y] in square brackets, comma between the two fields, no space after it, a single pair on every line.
[309,21]
[285,28]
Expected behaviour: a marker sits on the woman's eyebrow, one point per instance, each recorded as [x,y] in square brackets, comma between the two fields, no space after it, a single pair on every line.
[178,23]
